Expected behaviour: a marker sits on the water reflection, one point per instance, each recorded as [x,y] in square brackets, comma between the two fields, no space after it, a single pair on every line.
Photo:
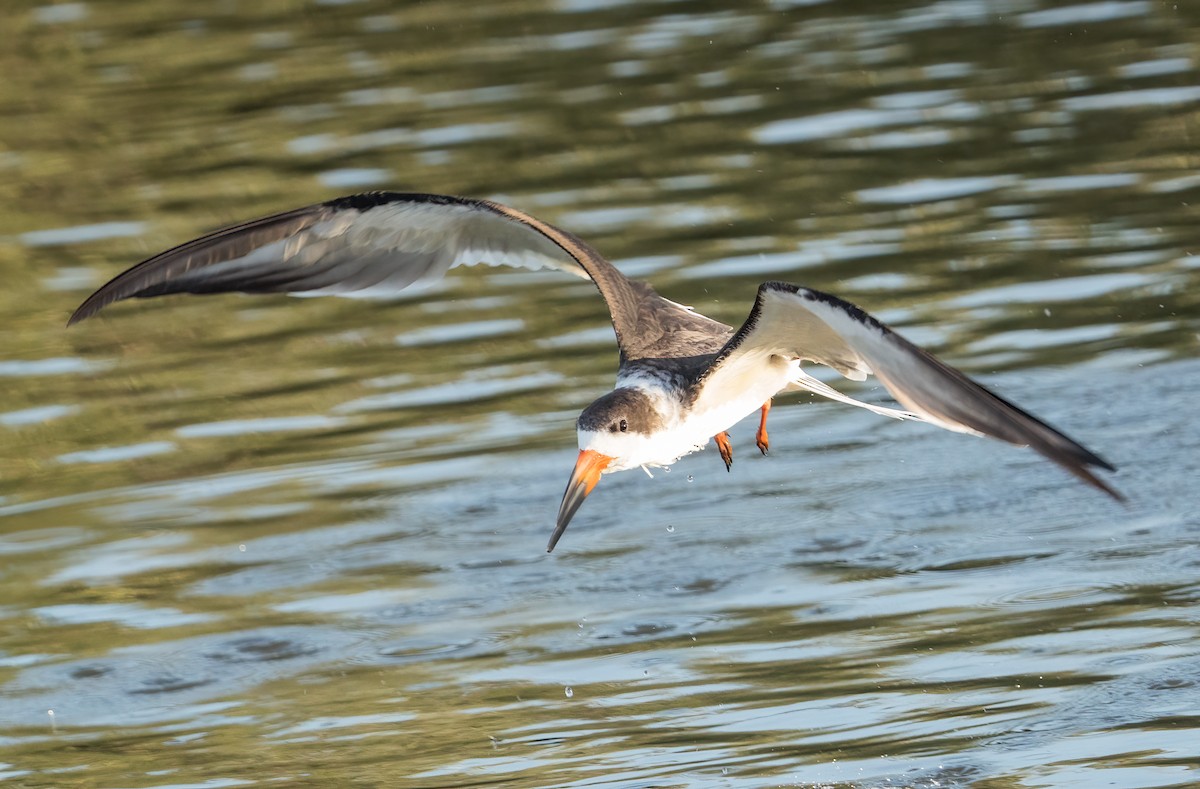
[302,540]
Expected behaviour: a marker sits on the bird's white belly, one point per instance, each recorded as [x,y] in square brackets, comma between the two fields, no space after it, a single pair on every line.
[716,411]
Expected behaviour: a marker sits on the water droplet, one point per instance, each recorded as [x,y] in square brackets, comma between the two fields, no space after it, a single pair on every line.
[691,478]
[670,528]
[242,548]
[570,691]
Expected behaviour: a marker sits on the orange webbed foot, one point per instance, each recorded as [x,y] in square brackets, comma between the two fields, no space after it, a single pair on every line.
[725,448]
[760,437]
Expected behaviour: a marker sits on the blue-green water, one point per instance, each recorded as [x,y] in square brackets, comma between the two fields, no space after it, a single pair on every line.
[264,541]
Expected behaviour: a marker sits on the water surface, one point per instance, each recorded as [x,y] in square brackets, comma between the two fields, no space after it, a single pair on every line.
[253,541]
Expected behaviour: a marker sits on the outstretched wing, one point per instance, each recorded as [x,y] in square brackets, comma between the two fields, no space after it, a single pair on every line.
[791,322]
[379,243]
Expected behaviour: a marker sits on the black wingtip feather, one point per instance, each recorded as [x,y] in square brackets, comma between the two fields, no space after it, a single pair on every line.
[155,275]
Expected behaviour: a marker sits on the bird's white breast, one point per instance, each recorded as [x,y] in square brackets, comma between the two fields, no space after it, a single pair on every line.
[688,429]
[716,410]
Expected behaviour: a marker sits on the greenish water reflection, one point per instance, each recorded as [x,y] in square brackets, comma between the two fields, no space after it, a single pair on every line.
[250,540]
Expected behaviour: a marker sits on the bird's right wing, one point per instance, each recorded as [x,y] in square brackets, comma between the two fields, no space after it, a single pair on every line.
[376,243]
[789,323]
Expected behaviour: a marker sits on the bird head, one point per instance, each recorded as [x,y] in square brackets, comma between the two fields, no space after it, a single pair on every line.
[614,434]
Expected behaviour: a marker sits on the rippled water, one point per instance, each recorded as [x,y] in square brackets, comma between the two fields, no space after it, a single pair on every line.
[300,542]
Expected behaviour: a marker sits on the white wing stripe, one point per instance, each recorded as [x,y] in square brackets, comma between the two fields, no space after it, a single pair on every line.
[807,383]
[790,322]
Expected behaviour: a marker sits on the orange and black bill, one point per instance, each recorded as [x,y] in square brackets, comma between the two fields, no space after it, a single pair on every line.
[588,468]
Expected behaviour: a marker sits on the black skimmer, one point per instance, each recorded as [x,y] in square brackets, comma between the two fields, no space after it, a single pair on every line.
[683,378]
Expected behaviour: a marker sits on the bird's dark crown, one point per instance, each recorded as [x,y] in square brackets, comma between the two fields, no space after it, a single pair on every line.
[623,410]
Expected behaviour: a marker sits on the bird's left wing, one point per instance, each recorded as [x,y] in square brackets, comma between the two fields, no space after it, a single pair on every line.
[369,244]
[376,243]
[789,322]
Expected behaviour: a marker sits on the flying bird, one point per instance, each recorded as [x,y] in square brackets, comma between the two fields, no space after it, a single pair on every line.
[682,379]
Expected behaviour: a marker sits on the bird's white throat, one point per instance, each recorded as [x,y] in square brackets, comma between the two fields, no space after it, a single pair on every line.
[684,430]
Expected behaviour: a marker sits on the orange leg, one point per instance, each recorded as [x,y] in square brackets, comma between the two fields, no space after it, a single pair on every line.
[761,437]
[724,447]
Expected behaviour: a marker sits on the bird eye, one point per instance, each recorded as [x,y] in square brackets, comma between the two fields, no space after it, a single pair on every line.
[624,425]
